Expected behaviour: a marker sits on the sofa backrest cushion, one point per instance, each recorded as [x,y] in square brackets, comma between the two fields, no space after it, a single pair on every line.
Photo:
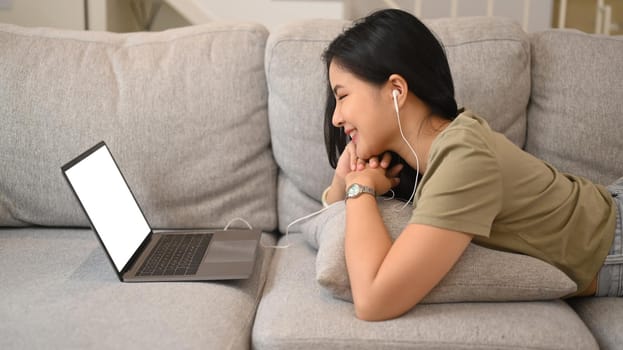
[489,59]
[575,116]
[184,111]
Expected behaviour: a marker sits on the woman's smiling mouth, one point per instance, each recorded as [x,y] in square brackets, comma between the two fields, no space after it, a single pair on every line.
[352,133]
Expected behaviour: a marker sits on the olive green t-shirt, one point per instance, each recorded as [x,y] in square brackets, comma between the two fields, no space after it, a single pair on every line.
[480,183]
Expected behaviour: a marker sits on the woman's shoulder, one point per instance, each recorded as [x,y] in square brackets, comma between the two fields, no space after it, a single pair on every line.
[466,130]
[469,120]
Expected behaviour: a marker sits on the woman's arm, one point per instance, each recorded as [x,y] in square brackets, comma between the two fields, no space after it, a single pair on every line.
[347,163]
[389,279]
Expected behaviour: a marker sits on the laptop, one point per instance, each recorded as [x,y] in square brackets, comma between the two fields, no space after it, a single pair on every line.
[140,254]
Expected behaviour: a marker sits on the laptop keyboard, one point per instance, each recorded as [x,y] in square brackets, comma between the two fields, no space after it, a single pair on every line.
[176,254]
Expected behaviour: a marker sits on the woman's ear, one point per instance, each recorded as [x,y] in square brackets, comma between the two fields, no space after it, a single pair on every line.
[398,87]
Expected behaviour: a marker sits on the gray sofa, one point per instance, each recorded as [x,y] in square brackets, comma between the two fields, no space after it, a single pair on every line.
[214,122]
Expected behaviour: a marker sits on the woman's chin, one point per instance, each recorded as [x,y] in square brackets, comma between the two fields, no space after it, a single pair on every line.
[364,154]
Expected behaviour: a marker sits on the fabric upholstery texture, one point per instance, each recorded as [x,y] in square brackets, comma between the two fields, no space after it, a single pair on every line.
[575,110]
[489,59]
[603,318]
[60,291]
[294,314]
[170,106]
[480,274]
[296,81]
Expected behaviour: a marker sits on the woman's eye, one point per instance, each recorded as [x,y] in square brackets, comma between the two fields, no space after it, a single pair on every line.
[341,97]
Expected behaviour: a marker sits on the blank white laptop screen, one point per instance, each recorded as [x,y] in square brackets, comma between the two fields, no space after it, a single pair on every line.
[112,209]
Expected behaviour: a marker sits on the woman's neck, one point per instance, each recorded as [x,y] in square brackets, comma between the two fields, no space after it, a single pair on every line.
[420,128]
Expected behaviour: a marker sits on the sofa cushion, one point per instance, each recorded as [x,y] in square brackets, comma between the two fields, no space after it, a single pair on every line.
[480,274]
[59,291]
[603,318]
[489,59]
[295,313]
[574,116]
[171,105]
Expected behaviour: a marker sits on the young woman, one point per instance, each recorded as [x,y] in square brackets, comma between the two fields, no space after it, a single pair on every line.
[391,97]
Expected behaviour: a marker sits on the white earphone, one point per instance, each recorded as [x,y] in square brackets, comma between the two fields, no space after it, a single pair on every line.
[395,94]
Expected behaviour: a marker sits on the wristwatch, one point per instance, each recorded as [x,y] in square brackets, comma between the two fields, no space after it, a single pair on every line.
[355,190]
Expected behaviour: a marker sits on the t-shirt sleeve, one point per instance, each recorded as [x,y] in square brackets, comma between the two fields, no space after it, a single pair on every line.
[462,187]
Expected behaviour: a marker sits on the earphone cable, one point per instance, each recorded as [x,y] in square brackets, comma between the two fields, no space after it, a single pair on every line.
[417,160]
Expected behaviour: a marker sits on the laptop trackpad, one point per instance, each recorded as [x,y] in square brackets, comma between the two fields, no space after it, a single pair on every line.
[230,251]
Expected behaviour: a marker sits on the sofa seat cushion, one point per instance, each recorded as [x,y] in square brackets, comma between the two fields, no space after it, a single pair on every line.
[490,63]
[171,106]
[295,313]
[576,103]
[603,318]
[59,291]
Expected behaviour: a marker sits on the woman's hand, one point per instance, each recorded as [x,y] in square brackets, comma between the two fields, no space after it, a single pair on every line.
[346,163]
[375,173]
[349,163]
[350,166]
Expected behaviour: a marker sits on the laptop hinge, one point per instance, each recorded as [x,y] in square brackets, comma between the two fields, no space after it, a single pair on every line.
[130,264]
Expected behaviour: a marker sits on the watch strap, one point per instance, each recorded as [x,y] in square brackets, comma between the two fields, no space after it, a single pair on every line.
[355,190]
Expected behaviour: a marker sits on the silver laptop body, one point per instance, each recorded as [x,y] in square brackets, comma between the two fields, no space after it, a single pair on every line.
[127,238]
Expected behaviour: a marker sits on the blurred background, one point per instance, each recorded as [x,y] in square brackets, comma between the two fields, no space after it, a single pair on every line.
[591,16]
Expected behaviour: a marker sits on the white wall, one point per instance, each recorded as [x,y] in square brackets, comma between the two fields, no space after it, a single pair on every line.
[272,13]
[115,15]
[275,12]
[540,13]
[67,14]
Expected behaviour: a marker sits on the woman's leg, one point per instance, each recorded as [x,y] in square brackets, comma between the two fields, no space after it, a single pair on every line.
[611,274]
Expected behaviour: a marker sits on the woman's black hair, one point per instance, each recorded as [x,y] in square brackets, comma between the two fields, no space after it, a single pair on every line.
[384,43]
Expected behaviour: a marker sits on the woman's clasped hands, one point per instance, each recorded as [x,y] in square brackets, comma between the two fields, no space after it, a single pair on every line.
[374,172]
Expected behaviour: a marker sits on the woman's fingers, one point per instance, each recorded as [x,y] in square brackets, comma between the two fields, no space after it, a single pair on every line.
[350,148]
[383,161]
[361,164]
[386,160]
[358,164]
[394,171]
[373,162]
[395,181]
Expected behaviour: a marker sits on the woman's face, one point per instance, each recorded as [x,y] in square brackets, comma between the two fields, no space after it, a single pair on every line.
[363,110]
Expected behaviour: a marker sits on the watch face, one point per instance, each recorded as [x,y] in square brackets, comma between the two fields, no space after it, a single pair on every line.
[354,190]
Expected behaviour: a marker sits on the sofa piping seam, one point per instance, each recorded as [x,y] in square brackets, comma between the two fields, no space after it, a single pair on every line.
[120,43]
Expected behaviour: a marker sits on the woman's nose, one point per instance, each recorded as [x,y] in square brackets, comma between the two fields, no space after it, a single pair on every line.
[337,119]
